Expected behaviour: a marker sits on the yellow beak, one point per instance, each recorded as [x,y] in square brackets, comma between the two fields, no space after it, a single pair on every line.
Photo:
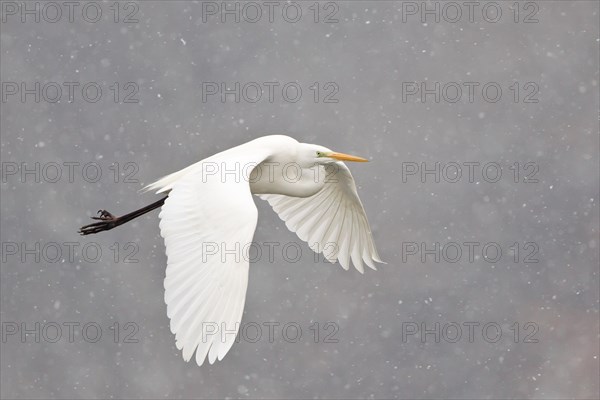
[346,157]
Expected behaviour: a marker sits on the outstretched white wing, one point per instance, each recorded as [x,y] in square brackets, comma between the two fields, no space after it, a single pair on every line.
[332,222]
[208,222]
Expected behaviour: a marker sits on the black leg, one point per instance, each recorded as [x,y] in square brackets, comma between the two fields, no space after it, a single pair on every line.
[109,221]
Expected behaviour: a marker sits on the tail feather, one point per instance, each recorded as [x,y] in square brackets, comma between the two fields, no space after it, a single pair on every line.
[166,183]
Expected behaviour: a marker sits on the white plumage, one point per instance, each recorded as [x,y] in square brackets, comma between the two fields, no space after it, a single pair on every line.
[210,207]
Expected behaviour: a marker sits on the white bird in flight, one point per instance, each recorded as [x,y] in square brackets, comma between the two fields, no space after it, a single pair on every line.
[210,202]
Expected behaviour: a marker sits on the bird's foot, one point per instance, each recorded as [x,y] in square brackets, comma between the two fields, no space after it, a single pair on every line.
[104,216]
[107,222]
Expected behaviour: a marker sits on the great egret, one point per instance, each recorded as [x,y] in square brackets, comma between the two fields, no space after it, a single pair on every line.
[308,186]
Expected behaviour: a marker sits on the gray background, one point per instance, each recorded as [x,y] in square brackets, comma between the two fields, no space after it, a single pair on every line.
[368,53]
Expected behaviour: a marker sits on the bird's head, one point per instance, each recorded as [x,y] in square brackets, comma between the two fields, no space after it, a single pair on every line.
[311,154]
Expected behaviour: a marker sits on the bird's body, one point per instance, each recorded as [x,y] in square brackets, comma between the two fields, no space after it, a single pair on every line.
[208,222]
[282,171]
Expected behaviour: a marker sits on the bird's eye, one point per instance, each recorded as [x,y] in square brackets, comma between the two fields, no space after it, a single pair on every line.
[319,154]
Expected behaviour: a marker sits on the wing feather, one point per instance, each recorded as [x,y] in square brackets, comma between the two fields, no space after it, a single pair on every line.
[202,219]
[332,222]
